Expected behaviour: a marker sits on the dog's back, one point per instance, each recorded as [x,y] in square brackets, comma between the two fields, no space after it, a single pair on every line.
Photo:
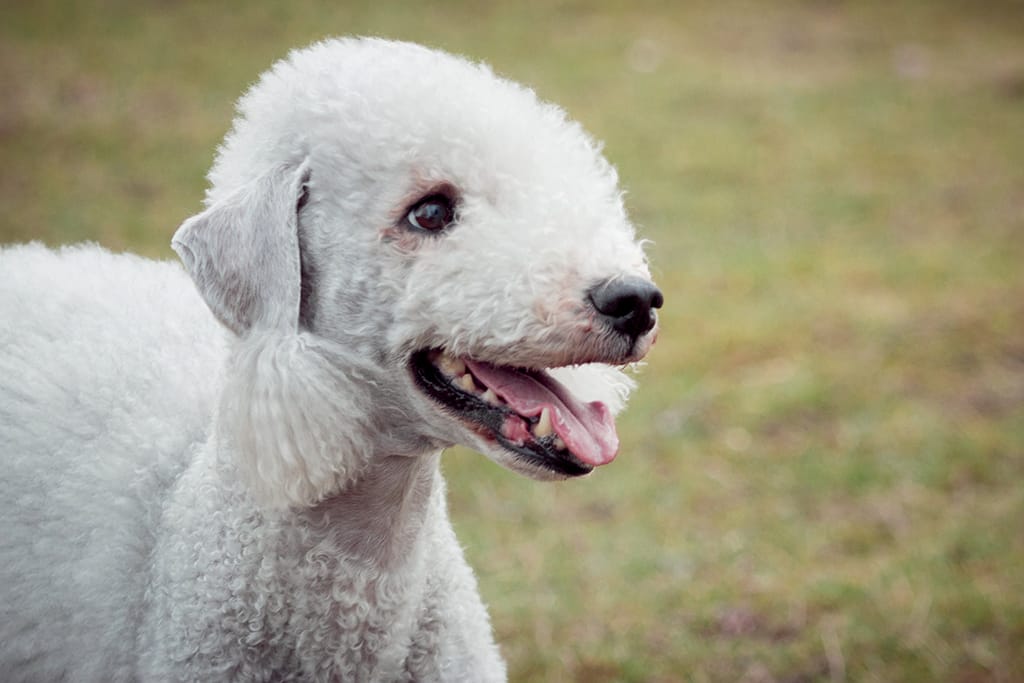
[97,417]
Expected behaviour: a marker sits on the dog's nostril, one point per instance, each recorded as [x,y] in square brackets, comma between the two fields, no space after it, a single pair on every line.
[627,303]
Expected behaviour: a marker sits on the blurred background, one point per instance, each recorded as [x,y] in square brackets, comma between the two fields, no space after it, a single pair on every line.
[822,474]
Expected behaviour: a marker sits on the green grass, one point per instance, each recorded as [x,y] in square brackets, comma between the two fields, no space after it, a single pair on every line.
[822,475]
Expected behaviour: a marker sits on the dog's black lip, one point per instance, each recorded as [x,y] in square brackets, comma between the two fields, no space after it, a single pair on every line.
[469,408]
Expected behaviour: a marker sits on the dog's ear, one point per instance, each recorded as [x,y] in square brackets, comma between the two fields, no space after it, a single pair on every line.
[243,252]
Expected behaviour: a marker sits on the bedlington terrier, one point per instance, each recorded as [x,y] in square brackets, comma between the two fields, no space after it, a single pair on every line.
[230,472]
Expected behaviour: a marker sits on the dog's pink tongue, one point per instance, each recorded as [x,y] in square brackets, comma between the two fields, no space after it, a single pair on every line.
[587,429]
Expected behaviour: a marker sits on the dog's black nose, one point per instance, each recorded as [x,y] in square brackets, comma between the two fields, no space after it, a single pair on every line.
[627,303]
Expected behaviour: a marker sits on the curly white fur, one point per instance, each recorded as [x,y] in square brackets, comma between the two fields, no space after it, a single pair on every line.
[254,495]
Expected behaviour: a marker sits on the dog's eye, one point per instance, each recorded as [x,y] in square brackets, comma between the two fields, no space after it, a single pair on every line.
[433,213]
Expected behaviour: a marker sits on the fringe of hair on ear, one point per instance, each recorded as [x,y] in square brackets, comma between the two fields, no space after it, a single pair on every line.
[297,425]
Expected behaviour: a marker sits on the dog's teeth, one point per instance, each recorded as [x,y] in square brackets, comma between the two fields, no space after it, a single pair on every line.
[466,383]
[558,443]
[543,427]
[451,366]
[491,398]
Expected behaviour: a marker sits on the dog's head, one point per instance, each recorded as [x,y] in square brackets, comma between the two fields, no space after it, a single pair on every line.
[414,253]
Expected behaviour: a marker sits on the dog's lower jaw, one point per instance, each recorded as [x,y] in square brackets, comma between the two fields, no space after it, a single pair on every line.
[378,553]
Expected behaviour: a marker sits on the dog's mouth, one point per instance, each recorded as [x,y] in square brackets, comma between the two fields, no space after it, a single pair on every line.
[526,411]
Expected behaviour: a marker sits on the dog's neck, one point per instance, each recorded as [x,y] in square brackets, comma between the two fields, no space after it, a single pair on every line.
[301,430]
[376,521]
[379,518]
[304,418]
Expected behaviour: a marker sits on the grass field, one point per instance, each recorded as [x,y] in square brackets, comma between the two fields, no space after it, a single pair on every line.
[822,476]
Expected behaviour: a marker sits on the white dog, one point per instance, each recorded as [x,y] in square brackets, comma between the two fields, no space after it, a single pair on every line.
[405,251]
